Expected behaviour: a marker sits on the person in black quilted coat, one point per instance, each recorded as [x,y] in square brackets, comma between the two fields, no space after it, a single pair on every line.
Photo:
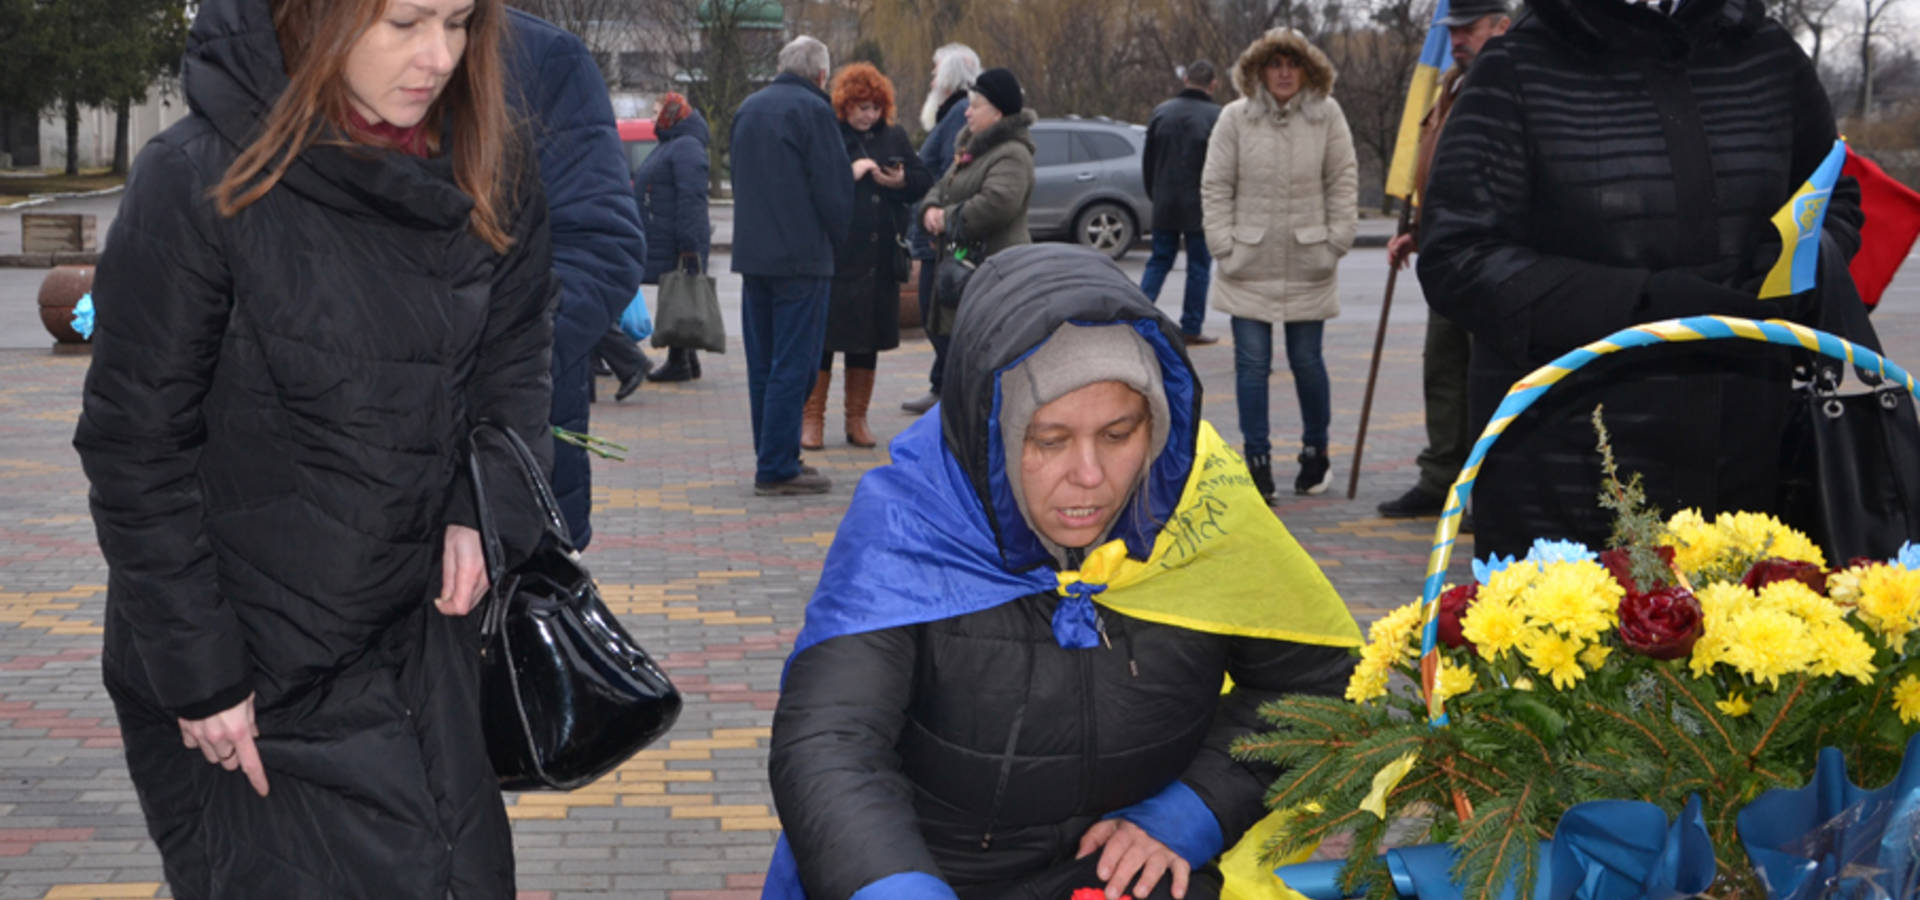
[314,288]
[1608,164]
[950,725]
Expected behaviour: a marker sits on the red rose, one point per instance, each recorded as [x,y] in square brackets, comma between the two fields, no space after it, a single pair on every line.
[1662,623]
[1620,565]
[1773,568]
[1454,604]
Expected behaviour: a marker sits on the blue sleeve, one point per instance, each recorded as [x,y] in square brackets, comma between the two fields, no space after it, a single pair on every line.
[1178,818]
[830,177]
[906,886]
[598,245]
[692,226]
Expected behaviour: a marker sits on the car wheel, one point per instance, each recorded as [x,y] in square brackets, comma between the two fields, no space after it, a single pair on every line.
[1105,227]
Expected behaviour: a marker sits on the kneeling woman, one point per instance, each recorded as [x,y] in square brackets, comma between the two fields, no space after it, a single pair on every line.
[1009,681]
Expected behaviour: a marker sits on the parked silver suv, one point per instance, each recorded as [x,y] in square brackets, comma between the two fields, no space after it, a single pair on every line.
[1087,186]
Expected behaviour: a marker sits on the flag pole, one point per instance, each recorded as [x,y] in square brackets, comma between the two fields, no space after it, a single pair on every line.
[1379,343]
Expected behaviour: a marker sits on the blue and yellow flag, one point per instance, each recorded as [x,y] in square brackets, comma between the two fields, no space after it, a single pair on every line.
[1799,222]
[1436,57]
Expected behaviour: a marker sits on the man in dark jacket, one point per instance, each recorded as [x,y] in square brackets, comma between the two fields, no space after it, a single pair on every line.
[945,113]
[1443,358]
[1176,151]
[793,202]
[1537,245]
[597,244]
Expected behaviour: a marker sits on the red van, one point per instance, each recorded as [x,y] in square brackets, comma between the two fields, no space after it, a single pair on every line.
[636,136]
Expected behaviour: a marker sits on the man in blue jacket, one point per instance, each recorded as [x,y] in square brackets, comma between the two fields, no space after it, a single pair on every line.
[793,204]
[597,244]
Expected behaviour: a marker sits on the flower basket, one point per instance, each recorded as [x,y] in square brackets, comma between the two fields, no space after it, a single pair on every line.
[1634,723]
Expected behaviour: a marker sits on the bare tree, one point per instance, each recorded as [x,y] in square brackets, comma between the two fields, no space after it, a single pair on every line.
[1873,25]
[607,27]
[1814,17]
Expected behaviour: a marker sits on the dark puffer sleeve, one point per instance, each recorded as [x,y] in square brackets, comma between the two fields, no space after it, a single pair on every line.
[511,383]
[1475,262]
[1262,670]
[843,800]
[162,295]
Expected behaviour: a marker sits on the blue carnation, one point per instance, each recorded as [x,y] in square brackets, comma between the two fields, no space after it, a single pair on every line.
[1909,557]
[83,316]
[1483,569]
[1545,552]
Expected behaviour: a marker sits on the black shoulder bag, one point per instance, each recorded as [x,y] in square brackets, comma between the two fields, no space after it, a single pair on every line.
[956,264]
[566,693]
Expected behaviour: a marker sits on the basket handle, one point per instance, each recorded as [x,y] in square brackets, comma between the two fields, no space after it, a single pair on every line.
[1539,381]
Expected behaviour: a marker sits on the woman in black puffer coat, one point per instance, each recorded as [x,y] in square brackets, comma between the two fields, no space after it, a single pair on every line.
[1547,226]
[671,188]
[952,722]
[286,365]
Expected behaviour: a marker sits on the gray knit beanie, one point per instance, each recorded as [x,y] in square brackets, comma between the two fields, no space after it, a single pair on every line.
[1074,357]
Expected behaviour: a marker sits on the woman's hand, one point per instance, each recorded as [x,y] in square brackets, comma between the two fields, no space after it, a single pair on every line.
[1126,849]
[226,740]
[863,167]
[463,572]
[894,178]
[934,220]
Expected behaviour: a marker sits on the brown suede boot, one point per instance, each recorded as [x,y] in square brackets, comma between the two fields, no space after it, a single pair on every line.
[859,392]
[813,417]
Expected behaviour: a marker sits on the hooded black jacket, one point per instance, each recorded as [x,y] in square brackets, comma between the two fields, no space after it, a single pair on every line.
[1607,165]
[975,748]
[1175,153]
[273,427]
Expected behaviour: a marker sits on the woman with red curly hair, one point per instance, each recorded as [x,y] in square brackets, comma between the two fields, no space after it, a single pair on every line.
[864,316]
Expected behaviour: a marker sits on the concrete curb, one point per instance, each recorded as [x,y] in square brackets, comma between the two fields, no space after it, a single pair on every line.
[34,200]
[1365,240]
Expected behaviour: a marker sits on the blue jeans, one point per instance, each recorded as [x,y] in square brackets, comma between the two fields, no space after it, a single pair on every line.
[783,322]
[1193,307]
[1253,363]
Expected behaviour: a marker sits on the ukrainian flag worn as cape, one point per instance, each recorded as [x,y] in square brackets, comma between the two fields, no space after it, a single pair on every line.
[915,547]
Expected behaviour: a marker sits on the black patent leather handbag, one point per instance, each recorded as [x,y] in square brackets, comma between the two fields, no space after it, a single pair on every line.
[567,694]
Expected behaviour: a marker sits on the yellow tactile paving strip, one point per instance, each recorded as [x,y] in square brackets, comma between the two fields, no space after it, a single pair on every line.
[643,780]
[44,610]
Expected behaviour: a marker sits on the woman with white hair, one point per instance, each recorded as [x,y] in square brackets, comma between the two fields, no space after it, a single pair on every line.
[943,114]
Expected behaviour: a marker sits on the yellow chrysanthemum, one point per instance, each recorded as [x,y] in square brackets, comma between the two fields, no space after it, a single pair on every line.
[1840,650]
[1758,535]
[1906,699]
[1578,599]
[1843,587]
[1508,585]
[1696,543]
[1735,706]
[1889,602]
[1718,604]
[1800,600]
[1368,681]
[1454,680]
[1556,657]
[1764,644]
[1397,632]
[1595,656]
[1493,627]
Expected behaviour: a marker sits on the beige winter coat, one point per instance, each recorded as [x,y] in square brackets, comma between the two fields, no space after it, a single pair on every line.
[1277,196]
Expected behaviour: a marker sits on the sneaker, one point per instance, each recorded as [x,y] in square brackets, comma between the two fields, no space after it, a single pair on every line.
[803,483]
[921,403]
[1316,471]
[1261,468]
[1414,504]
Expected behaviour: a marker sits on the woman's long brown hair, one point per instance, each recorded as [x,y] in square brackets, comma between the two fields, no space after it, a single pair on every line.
[315,38]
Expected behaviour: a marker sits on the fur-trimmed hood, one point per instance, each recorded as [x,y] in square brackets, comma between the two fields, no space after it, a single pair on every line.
[1319,71]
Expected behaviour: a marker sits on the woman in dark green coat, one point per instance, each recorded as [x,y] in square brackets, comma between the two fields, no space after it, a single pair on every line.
[981,203]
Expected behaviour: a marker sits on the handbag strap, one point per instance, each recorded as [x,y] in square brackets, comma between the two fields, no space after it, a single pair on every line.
[491,549]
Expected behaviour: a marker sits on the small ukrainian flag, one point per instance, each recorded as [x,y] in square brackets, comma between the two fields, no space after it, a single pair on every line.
[1799,224]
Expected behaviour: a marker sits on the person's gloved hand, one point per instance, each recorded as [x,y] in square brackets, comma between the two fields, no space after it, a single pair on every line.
[1675,294]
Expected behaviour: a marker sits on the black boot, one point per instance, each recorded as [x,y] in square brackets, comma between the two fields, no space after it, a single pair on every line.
[676,368]
[693,362]
[1260,466]
[1316,471]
